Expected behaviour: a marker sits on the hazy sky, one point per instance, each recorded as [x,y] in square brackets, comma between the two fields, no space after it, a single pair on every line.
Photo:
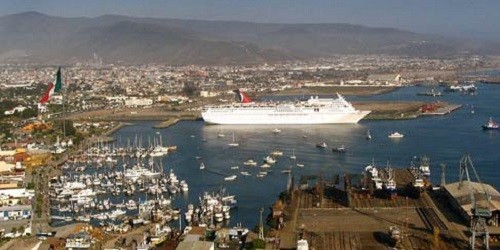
[450,17]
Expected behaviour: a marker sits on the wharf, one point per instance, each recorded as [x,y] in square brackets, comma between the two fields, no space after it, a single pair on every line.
[444,110]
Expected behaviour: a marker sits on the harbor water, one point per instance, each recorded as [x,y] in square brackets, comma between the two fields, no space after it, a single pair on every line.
[444,139]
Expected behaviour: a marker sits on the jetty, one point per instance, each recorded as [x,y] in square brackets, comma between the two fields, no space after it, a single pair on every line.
[167,123]
[444,110]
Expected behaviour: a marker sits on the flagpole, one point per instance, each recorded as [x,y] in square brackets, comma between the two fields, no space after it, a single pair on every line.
[63,110]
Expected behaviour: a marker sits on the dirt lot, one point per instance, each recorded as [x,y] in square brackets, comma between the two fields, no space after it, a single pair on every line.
[130,114]
[380,106]
[343,90]
[360,220]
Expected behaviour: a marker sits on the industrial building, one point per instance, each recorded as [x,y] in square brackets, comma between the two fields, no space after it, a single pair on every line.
[460,198]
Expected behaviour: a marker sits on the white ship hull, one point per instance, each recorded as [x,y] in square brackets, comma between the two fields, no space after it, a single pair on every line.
[248,117]
[313,111]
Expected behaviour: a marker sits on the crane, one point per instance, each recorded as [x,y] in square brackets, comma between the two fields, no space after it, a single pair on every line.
[480,203]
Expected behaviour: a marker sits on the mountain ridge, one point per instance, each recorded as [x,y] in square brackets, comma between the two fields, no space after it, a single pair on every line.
[37,37]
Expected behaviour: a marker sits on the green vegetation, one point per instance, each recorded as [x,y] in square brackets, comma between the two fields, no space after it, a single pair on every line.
[257,244]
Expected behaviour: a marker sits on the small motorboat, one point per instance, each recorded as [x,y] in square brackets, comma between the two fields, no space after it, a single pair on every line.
[300,165]
[340,149]
[276,131]
[368,135]
[202,166]
[491,125]
[250,162]
[321,145]
[231,178]
[396,135]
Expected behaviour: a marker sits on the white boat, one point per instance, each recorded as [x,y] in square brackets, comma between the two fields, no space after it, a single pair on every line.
[184,186]
[221,134]
[250,162]
[231,178]
[313,111]
[269,160]
[202,166]
[235,167]
[300,165]
[276,130]
[425,168]
[368,135]
[234,143]
[293,157]
[396,135]
[245,173]
[321,145]
[265,165]
[277,152]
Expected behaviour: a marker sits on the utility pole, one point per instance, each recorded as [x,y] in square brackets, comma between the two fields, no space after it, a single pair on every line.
[261,225]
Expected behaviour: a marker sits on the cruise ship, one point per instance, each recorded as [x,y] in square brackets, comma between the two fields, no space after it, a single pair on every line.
[313,111]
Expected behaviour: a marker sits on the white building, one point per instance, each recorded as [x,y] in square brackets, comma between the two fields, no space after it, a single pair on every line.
[14,110]
[205,93]
[15,212]
[18,193]
[135,102]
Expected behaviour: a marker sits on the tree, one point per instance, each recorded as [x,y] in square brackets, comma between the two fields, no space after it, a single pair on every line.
[190,89]
[258,244]
[68,126]
[28,113]
[21,229]
[31,185]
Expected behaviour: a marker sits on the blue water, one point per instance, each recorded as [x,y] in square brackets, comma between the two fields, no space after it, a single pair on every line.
[444,139]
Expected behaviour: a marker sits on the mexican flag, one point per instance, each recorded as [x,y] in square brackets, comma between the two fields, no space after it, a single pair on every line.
[53,88]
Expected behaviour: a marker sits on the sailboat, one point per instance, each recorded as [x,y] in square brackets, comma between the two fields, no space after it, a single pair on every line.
[220,134]
[234,143]
[293,157]
[368,135]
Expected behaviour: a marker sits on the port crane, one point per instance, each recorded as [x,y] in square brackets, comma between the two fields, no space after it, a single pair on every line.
[480,203]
